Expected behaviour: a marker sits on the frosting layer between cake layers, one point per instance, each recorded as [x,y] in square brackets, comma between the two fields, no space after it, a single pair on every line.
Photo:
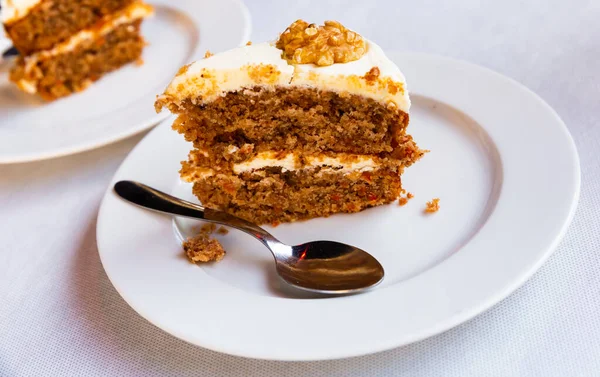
[372,76]
[344,163]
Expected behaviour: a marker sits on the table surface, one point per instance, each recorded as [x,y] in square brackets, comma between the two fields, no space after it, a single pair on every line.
[59,314]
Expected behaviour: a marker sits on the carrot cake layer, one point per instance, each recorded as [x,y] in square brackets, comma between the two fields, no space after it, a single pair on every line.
[307,126]
[73,64]
[290,118]
[276,196]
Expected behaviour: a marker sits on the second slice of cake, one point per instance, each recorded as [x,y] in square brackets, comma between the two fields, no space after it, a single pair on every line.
[66,45]
[308,126]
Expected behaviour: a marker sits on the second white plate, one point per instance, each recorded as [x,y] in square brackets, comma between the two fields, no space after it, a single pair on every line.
[122,103]
[496,150]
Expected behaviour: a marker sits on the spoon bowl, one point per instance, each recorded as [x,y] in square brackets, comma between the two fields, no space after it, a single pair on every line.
[326,267]
[329,266]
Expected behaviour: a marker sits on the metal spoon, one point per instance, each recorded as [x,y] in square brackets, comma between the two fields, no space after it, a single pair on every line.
[319,266]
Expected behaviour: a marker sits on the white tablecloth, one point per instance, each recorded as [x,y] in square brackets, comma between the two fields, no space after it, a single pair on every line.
[60,316]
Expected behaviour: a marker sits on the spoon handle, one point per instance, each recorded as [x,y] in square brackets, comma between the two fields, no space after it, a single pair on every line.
[147,197]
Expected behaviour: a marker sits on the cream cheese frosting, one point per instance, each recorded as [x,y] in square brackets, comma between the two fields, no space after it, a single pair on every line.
[13,10]
[267,159]
[231,70]
[236,69]
[342,77]
[343,162]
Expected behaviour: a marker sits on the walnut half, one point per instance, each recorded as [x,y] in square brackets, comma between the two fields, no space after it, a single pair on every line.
[304,43]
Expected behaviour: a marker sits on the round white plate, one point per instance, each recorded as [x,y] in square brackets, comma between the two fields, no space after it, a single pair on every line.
[507,173]
[121,103]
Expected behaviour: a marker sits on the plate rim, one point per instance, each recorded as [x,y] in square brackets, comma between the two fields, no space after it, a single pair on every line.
[129,132]
[516,280]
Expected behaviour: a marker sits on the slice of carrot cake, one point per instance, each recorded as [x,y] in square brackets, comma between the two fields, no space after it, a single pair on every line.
[310,125]
[65,45]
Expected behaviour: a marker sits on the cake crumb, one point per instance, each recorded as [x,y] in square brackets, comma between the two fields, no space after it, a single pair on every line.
[208,228]
[202,248]
[208,54]
[433,206]
[249,43]
[372,76]
[222,230]
[183,69]
[405,196]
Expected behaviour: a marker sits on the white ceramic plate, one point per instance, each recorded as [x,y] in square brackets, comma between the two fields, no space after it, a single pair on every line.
[507,173]
[122,103]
